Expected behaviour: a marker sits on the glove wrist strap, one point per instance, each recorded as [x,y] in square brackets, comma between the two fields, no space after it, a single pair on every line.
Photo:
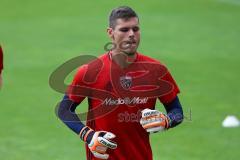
[85,131]
[168,122]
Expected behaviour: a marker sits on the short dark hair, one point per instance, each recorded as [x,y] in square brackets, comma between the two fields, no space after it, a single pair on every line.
[123,12]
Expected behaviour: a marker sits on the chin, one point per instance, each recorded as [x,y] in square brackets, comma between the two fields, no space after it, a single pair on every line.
[130,52]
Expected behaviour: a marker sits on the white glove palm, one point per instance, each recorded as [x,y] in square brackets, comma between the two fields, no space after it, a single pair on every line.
[154,121]
[100,142]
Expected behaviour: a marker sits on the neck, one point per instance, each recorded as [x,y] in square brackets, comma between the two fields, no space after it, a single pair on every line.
[122,59]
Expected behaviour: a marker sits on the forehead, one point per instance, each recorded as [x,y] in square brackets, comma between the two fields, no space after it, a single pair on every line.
[130,22]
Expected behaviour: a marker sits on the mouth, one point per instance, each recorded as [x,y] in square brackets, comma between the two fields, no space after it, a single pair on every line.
[129,44]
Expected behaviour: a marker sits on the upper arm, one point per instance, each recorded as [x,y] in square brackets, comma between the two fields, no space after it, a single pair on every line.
[76,89]
[172,94]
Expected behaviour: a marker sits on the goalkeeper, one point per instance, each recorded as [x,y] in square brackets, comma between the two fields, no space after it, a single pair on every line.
[121,82]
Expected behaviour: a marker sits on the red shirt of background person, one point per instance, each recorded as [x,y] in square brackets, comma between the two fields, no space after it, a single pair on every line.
[1,65]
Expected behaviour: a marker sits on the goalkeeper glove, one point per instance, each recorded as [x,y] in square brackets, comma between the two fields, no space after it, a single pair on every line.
[154,121]
[99,143]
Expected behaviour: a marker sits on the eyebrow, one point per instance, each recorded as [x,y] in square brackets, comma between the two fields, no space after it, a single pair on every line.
[125,29]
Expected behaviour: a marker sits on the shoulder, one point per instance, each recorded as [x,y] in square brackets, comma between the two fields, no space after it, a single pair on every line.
[151,64]
[149,60]
[92,68]
[143,58]
[94,62]
[97,62]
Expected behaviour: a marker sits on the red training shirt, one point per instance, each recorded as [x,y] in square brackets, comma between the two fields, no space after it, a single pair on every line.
[1,60]
[116,97]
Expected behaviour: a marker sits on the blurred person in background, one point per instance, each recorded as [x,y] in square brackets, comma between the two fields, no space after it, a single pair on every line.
[1,65]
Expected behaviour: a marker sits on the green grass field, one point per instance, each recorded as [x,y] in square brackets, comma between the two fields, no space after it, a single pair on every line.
[197,39]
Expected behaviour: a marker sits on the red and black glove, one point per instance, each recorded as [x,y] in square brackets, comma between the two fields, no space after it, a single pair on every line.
[99,143]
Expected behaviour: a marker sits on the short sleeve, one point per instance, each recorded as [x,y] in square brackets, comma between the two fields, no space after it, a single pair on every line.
[74,89]
[167,98]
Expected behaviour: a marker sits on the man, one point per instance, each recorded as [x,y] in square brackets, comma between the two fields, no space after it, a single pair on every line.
[122,86]
[1,65]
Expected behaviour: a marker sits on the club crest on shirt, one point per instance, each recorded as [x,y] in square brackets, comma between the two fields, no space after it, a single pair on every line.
[126,82]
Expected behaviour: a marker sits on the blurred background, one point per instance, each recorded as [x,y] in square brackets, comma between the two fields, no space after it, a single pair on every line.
[197,39]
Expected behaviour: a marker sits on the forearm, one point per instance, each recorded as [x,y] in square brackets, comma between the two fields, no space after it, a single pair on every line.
[66,112]
[174,112]
[98,141]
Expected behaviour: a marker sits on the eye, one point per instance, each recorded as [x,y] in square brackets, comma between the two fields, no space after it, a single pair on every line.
[135,29]
[124,29]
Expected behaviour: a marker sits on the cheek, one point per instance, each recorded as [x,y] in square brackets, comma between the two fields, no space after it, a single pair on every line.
[137,34]
[119,37]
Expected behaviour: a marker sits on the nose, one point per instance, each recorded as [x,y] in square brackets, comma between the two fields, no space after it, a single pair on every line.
[131,33]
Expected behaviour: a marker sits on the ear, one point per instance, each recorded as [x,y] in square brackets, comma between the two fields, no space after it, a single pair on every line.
[110,32]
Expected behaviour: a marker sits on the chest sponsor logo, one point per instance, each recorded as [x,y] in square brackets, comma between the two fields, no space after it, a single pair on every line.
[126,101]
